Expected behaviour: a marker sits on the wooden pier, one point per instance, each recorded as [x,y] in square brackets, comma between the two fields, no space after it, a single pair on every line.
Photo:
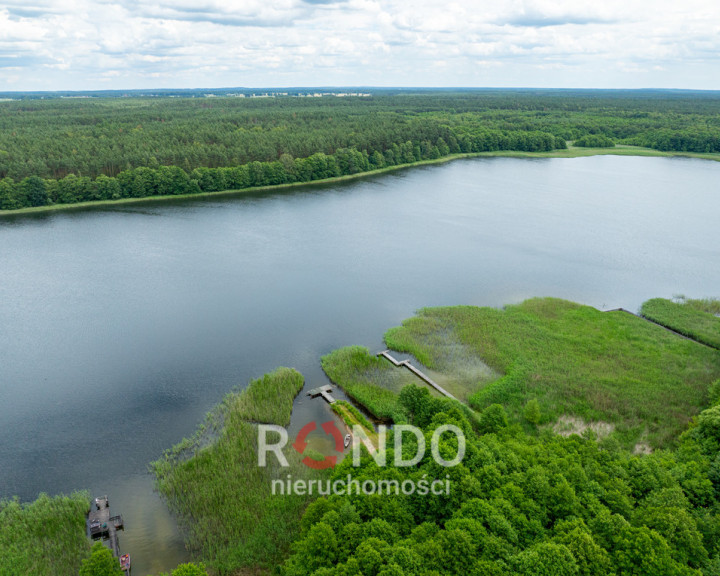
[424,377]
[323,391]
[102,526]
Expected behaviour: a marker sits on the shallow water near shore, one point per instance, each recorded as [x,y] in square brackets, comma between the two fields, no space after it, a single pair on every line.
[120,328]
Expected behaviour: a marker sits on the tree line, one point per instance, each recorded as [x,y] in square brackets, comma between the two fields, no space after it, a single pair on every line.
[88,141]
[33,191]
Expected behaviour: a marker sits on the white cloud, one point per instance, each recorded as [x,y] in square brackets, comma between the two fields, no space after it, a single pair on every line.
[83,44]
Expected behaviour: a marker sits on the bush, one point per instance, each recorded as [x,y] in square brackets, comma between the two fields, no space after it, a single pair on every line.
[100,563]
[594,141]
[532,412]
[493,419]
[709,428]
[190,569]
[714,393]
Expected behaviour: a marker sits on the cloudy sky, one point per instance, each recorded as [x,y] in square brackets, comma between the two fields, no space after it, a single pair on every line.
[101,44]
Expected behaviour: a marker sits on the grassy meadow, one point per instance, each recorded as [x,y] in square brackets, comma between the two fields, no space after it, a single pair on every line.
[222,497]
[45,537]
[696,319]
[575,360]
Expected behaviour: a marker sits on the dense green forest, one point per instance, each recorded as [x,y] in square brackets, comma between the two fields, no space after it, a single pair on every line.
[62,151]
[527,501]
[522,505]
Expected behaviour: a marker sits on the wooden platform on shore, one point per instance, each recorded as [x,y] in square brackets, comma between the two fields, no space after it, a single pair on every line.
[104,527]
[324,391]
[424,377]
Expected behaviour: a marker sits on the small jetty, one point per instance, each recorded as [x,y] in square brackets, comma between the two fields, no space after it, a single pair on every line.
[424,377]
[323,391]
[104,527]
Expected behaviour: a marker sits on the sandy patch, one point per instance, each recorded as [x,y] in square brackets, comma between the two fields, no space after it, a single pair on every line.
[642,448]
[569,425]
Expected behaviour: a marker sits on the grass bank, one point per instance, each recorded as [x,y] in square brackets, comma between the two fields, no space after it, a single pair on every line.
[695,319]
[600,366]
[222,497]
[570,152]
[617,150]
[352,417]
[45,537]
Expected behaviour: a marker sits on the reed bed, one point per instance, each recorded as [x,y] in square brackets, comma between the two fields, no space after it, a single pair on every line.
[45,537]
[696,319]
[222,497]
[575,360]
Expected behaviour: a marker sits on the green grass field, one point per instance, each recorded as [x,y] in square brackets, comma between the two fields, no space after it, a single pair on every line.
[222,497]
[696,319]
[576,360]
[45,537]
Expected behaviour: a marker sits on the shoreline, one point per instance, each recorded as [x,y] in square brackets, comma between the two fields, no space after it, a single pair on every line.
[570,152]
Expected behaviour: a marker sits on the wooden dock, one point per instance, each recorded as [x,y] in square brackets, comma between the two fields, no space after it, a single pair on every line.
[424,377]
[324,391]
[102,526]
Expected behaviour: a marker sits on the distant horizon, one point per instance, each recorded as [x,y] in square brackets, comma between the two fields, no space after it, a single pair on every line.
[326,88]
[93,45]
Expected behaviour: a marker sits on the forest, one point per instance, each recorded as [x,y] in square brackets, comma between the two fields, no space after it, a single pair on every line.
[523,506]
[66,150]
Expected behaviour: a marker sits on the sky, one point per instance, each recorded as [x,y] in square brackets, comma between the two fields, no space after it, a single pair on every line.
[135,44]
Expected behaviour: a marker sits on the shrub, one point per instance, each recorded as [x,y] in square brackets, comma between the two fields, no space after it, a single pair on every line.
[594,141]
[532,412]
[100,563]
[493,419]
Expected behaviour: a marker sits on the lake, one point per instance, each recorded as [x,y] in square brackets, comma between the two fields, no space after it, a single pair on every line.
[120,327]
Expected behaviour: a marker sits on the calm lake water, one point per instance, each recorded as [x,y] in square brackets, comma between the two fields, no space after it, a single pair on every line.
[121,327]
